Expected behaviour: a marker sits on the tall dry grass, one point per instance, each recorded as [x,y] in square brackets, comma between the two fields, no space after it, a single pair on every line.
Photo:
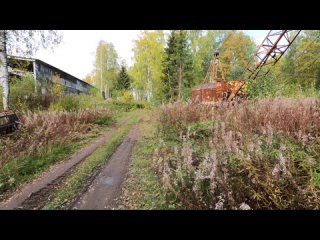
[40,130]
[252,155]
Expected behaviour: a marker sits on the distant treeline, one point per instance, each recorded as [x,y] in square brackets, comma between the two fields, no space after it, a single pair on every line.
[167,64]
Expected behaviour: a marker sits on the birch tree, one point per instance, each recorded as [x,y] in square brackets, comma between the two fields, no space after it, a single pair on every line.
[147,69]
[106,67]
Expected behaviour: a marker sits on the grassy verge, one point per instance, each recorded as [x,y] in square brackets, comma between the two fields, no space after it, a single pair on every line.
[141,189]
[72,186]
[261,154]
[23,169]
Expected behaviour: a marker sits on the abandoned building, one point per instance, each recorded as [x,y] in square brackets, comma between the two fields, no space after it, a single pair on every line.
[46,75]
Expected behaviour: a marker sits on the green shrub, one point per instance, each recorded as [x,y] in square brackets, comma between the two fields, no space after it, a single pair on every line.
[130,106]
[127,97]
[260,154]
[23,96]
[269,86]
[201,129]
[67,103]
[95,92]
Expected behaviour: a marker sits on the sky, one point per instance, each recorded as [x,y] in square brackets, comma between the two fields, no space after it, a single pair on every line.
[76,53]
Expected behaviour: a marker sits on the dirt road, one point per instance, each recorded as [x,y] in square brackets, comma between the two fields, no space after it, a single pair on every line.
[36,193]
[106,187]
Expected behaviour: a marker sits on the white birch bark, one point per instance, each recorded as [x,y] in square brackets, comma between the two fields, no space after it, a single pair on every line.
[4,76]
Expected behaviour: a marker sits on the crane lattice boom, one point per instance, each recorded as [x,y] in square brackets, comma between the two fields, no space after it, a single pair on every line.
[275,44]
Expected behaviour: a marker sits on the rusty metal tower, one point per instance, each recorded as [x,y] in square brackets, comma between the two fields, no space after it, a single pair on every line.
[275,44]
[215,65]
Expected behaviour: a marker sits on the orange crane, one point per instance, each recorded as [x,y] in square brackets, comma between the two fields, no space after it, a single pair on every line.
[272,48]
[275,44]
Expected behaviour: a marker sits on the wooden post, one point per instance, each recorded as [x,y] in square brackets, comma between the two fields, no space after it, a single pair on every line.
[35,75]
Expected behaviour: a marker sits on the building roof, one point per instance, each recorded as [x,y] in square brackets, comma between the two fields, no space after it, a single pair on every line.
[206,86]
[55,68]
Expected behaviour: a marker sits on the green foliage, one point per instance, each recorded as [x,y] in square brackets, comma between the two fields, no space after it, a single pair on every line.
[24,169]
[23,97]
[263,87]
[201,129]
[21,92]
[127,97]
[299,67]
[162,74]
[177,71]
[308,64]
[142,180]
[202,45]
[88,101]
[128,106]
[95,92]
[57,90]
[78,179]
[236,72]
[106,67]
[117,94]
[147,69]
[258,155]
[74,103]
[187,94]
[123,96]
[123,80]
[272,85]
[45,138]
[236,51]
[67,103]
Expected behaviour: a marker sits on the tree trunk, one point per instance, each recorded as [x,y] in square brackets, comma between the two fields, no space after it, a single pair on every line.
[170,87]
[180,81]
[4,76]
[106,90]
[149,91]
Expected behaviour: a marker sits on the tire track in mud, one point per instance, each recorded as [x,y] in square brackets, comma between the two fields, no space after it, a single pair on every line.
[104,187]
[36,194]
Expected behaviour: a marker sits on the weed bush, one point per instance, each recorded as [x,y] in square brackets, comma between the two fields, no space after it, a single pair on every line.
[69,103]
[260,154]
[42,129]
[131,105]
[23,96]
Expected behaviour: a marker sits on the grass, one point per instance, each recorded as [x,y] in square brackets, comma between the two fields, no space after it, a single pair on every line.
[142,189]
[24,169]
[76,182]
[33,149]
[261,154]
[42,129]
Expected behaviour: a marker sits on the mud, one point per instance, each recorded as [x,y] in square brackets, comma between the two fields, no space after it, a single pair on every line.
[35,194]
[105,188]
